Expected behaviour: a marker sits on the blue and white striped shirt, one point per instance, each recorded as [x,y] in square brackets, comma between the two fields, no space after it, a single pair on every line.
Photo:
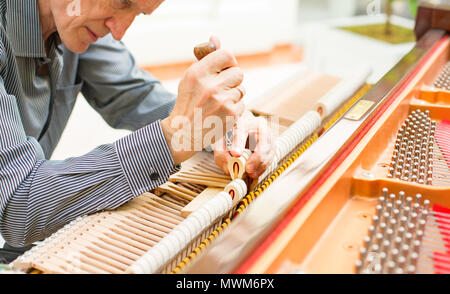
[37,195]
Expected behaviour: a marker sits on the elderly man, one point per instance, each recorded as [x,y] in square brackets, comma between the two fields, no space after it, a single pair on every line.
[48,55]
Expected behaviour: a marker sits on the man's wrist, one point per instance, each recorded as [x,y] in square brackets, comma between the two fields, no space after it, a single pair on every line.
[145,158]
[178,155]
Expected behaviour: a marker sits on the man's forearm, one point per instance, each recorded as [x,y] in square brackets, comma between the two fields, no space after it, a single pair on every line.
[56,192]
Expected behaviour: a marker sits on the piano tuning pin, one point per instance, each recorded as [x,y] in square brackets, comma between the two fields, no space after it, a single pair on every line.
[389,208]
[383,227]
[385,246]
[379,210]
[372,232]
[375,221]
[408,202]
[358,266]
[403,220]
[394,254]
[392,223]
[424,215]
[398,239]
[391,267]
[408,238]
[416,247]
[389,234]
[418,198]
[379,238]
[386,217]
[416,207]
[375,248]
[363,253]
[396,212]
[407,213]
[421,224]
[392,198]
[383,257]
[411,269]
[404,251]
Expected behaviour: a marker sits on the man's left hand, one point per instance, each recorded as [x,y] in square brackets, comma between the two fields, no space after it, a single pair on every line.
[261,142]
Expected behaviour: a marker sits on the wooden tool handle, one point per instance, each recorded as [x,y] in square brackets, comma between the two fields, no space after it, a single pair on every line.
[204,49]
[236,166]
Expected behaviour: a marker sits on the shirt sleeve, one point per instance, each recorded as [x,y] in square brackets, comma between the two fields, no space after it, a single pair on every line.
[124,95]
[38,196]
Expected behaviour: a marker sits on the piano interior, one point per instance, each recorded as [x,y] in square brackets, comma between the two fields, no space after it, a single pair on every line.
[368,208]
[367,191]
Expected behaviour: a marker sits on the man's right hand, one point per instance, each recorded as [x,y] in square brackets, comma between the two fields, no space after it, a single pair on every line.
[210,87]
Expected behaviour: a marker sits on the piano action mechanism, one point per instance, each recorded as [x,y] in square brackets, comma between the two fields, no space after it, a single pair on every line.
[360,184]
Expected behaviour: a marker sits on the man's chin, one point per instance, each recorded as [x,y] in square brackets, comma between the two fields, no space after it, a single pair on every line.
[77,47]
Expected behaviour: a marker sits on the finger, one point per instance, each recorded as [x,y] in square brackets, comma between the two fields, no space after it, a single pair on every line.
[241,90]
[258,162]
[231,77]
[240,134]
[218,61]
[215,40]
[233,95]
[234,109]
[264,151]
[257,166]
[221,155]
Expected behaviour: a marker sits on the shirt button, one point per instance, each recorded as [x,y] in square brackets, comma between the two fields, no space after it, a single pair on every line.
[154,176]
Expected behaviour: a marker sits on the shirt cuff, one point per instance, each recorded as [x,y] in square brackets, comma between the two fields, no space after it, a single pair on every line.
[145,158]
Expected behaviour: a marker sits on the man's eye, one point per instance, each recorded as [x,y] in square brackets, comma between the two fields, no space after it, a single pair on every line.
[121,4]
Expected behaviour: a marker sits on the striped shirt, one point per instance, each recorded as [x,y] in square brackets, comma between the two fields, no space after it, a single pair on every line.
[37,94]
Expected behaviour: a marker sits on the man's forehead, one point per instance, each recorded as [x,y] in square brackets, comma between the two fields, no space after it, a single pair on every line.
[148,6]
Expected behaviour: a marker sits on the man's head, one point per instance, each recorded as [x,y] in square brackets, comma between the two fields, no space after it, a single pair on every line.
[81,22]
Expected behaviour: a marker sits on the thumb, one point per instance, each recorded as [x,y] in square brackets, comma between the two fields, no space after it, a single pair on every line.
[215,40]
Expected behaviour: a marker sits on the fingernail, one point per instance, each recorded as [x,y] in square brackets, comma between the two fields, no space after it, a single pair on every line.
[237,151]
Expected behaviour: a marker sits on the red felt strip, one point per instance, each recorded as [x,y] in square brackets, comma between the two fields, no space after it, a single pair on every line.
[441,209]
[441,264]
[442,138]
[442,255]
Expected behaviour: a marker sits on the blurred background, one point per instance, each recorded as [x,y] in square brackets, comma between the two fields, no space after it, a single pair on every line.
[307,34]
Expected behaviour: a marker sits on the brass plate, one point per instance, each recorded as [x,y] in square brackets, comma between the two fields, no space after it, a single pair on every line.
[359,109]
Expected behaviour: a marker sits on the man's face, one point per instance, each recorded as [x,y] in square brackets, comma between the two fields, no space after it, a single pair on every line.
[81,22]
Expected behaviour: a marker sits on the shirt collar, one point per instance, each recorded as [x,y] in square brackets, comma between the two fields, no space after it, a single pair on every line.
[24,28]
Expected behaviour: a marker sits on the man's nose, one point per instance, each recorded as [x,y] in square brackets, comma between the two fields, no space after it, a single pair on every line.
[119,24]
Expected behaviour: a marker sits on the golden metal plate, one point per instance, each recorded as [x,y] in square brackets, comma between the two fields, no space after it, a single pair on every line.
[359,109]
